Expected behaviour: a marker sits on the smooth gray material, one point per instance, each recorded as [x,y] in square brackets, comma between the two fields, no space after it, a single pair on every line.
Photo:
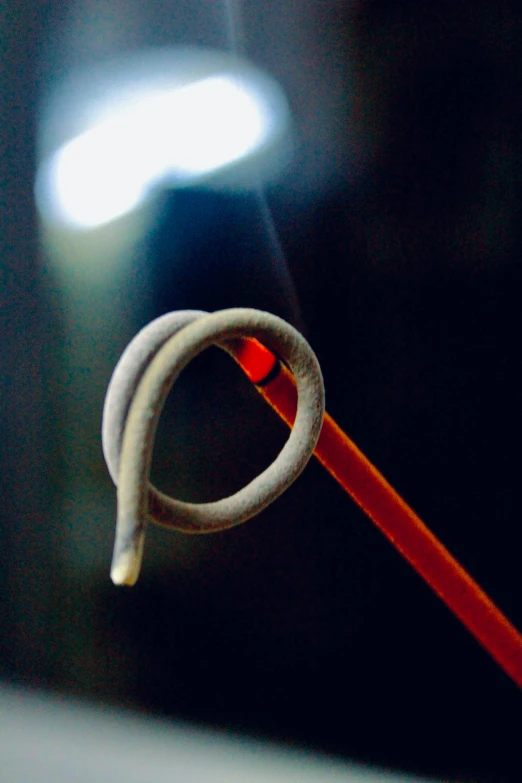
[128,373]
[136,395]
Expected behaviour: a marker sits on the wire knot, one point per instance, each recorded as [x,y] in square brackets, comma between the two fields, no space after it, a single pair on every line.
[138,389]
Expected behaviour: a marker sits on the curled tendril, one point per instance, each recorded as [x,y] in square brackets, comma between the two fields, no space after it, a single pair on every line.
[137,392]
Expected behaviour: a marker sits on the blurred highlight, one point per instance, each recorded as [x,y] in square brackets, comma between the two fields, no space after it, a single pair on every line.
[49,739]
[153,134]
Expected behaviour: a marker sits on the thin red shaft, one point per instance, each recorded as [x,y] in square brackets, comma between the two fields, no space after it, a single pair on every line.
[399,523]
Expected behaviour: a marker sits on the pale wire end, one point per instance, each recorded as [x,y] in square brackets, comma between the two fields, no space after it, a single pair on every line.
[126,564]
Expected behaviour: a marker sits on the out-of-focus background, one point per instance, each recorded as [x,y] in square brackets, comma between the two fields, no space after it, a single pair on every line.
[354,167]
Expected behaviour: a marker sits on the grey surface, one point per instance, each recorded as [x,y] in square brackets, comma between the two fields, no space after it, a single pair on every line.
[134,401]
[47,740]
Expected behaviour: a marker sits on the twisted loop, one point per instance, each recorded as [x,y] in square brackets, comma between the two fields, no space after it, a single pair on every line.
[137,392]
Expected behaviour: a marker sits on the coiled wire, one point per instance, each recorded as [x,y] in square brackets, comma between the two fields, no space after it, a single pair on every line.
[135,398]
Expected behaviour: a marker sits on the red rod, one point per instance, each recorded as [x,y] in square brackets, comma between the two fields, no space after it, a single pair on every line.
[385,507]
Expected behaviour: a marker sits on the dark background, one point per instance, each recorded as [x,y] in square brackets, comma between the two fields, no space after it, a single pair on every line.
[304,625]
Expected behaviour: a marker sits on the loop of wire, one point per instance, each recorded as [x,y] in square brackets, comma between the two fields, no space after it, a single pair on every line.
[137,392]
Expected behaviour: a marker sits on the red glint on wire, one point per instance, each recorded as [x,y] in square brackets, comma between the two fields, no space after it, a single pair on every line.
[423,551]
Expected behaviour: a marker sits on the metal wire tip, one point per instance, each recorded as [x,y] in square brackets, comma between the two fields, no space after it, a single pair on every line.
[128,552]
[125,569]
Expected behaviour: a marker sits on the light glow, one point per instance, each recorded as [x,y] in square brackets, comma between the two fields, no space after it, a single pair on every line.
[175,136]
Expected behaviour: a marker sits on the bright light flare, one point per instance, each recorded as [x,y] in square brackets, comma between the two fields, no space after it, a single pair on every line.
[175,136]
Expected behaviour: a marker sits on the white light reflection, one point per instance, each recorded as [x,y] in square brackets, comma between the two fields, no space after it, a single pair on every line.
[176,136]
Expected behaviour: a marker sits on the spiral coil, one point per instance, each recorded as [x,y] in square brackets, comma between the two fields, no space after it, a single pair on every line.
[140,384]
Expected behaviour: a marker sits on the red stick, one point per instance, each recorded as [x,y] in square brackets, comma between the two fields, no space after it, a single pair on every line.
[385,507]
